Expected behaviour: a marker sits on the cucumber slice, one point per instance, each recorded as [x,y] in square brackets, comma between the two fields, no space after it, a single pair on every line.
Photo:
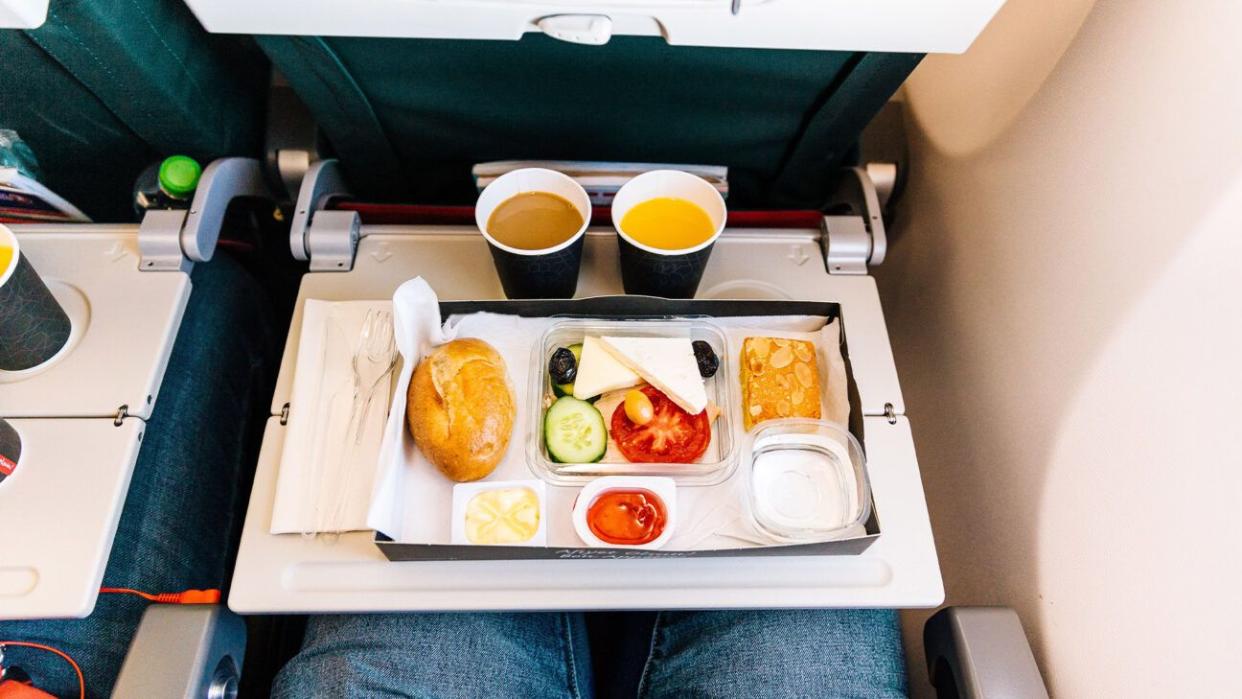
[574,432]
[567,389]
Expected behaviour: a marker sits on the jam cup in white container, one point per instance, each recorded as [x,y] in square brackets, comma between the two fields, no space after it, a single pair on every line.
[650,501]
[807,481]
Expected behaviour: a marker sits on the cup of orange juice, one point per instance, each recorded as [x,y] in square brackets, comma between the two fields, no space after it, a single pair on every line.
[667,222]
[33,326]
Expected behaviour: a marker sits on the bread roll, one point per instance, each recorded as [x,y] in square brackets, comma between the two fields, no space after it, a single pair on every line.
[461,409]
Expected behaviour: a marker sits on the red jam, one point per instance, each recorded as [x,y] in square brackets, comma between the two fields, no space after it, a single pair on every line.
[627,517]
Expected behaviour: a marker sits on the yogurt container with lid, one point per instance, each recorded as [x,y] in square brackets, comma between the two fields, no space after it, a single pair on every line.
[807,481]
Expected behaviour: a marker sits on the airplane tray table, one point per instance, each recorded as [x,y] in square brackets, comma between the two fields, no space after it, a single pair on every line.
[81,420]
[294,574]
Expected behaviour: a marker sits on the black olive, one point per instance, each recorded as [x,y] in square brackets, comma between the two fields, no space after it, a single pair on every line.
[563,366]
[707,359]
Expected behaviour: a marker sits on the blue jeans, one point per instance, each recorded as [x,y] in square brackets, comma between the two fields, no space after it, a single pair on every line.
[188,491]
[787,653]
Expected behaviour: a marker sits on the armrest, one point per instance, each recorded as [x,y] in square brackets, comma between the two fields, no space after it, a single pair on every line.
[980,652]
[189,652]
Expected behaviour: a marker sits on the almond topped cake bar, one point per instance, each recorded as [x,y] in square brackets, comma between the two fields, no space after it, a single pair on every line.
[780,378]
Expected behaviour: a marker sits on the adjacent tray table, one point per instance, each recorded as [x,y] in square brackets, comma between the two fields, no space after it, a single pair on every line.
[289,573]
[59,511]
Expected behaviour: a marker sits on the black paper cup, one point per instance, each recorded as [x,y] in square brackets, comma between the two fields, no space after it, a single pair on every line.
[653,271]
[550,273]
[33,326]
[10,449]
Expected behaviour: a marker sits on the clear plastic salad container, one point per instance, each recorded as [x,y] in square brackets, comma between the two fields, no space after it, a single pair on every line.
[717,463]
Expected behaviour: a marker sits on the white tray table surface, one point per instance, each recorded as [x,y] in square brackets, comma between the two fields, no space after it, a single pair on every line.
[293,574]
[134,317]
[59,512]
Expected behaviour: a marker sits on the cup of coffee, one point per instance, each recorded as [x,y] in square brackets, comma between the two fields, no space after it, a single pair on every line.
[667,222]
[33,326]
[535,221]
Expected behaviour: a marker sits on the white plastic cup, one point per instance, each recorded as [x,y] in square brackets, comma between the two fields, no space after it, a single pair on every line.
[653,271]
[529,274]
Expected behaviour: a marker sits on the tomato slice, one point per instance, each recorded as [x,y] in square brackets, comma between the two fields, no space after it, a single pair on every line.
[672,436]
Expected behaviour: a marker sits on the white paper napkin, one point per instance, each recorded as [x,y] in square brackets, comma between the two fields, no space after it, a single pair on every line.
[411,495]
[326,479]
[417,327]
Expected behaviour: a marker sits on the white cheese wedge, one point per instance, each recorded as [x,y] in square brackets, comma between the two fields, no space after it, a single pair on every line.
[600,372]
[664,362]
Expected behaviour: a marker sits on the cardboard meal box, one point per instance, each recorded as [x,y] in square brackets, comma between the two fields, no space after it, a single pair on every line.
[395,540]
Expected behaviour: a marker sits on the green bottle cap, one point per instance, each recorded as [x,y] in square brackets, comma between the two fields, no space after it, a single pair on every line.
[179,175]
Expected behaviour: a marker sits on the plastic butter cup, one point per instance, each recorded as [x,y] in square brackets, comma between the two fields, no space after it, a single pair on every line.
[663,488]
[464,493]
[807,481]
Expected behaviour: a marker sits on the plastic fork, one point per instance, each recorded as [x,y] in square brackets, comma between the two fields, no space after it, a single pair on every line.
[373,362]
[374,358]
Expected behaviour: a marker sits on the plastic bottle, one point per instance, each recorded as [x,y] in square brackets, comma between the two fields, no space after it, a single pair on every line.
[169,184]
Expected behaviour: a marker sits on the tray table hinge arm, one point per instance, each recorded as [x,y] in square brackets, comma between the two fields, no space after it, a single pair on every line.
[173,240]
[328,239]
[856,238]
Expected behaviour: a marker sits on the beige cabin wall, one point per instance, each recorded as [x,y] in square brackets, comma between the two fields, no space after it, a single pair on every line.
[1065,303]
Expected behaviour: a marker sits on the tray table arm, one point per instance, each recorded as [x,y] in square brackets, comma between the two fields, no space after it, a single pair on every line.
[173,240]
[977,652]
[191,652]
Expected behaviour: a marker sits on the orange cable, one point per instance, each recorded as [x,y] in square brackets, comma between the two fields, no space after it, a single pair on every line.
[127,591]
[183,597]
[39,646]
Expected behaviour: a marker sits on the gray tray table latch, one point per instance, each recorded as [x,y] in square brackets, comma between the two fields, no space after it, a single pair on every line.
[855,240]
[173,240]
[328,239]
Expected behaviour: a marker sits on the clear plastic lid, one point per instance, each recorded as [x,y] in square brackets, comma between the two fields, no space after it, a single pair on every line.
[807,480]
